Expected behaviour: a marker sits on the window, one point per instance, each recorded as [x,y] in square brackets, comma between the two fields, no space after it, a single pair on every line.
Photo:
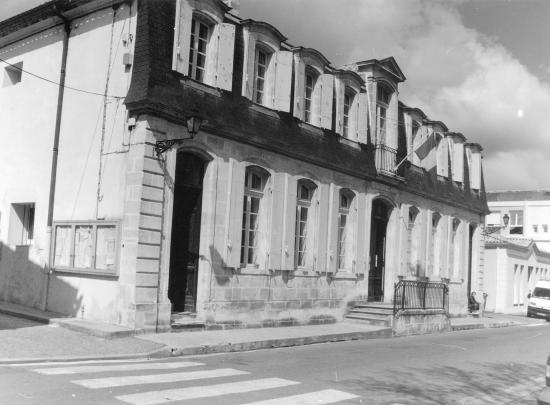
[88,247]
[348,101]
[545,228]
[344,235]
[200,33]
[535,228]
[13,74]
[304,223]
[21,227]
[260,76]
[309,103]
[516,222]
[254,184]
[436,242]
[382,103]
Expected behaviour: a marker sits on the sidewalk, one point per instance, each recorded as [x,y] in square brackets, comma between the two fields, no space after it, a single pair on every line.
[62,339]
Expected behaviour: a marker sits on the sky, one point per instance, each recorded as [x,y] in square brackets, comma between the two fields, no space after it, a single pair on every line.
[480,66]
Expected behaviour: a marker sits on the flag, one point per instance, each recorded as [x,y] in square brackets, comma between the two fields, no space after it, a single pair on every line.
[424,149]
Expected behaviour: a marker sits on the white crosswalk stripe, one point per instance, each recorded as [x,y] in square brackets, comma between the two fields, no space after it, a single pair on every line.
[74,363]
[122,381]
[117,367]
[113,376]
[204,391]
[311,398]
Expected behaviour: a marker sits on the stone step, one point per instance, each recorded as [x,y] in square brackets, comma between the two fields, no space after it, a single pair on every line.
[368,320]
[185,322]
[369,310]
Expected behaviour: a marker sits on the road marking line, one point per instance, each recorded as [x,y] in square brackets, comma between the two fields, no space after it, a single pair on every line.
[157,378]
[205,391]
[119,367]
[65,363]
[318,397]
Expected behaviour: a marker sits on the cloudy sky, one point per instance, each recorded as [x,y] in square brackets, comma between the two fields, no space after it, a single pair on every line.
[480,66]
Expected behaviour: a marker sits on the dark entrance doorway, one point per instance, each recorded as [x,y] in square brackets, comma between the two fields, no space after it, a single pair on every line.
[379,224]
[186,225]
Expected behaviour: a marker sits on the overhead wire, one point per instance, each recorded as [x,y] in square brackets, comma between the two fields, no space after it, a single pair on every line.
[58,84]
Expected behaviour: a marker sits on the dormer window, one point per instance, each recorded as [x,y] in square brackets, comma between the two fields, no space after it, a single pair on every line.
[261,64]
[200,33]
[348,102]
[311,81]
[383,98]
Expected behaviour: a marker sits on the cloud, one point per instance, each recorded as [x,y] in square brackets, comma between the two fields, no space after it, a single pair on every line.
[454,73]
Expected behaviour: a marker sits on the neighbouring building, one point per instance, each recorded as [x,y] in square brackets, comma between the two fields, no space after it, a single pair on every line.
[517,246]
[308,186]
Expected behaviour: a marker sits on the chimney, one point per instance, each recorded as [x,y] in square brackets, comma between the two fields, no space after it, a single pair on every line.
[235,6]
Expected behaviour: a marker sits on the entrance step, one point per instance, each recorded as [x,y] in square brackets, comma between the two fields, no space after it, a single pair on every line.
[185,322]
[372,314]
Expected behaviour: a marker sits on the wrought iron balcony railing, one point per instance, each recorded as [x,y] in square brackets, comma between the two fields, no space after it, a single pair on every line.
[385,159]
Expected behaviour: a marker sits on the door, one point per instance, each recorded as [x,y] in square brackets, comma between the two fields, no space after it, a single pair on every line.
[379,224]
[186,224]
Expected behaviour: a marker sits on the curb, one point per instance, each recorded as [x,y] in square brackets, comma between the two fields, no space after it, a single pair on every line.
[163,352]
[276,343]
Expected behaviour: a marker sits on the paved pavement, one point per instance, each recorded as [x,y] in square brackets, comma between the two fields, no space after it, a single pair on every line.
[56,339]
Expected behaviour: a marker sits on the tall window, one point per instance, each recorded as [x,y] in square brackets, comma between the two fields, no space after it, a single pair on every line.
[382,104]
[304,221]
[436,242]
[344,234]
[516,222]
[413,229]
[348,102]
[21,227]
[311,79]
[260,76]
[197,49]
[254,184]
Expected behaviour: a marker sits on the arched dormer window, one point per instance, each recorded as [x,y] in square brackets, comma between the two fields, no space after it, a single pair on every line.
[311,96]
[305,224]
[383,98]
[345,233]
[349,96]
[254,189]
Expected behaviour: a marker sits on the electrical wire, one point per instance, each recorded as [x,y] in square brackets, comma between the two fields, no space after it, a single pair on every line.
[57,83]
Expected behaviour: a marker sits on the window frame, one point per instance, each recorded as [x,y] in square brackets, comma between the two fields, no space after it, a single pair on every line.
[194,40]
[95,224]
[261,49]
[301,262]
[249,194]
[310,100]
[344,245]
[25,213]
[382,107]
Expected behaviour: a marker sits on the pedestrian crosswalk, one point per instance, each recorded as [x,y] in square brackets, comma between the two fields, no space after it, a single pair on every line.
[151,382]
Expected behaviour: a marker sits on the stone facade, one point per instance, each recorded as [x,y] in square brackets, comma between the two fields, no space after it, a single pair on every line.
[305,190]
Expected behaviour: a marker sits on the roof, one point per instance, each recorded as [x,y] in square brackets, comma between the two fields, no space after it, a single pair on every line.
[518,195]
[525,245]
[388,64]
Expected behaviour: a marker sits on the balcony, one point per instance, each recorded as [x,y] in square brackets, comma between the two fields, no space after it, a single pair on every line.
[385,159]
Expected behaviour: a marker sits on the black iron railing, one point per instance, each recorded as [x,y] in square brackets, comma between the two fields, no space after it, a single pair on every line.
[385,159]
[412,294]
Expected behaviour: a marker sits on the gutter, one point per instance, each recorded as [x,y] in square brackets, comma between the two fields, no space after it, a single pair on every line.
[55,152]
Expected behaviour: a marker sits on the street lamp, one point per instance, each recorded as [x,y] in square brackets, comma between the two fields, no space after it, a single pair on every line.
[193,124]
[506,219]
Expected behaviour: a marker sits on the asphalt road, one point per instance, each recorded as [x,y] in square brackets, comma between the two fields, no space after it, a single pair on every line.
[490,366]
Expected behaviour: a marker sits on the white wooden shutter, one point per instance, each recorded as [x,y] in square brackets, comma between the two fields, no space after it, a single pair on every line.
[326,100]
[361,249]
[321,262]
[299,88]
[283,81]
[332,232]
[339,90]
[362,119]
[182,37]
[289,222]
[226,48]
[277,228]
[249,64]
[234,223]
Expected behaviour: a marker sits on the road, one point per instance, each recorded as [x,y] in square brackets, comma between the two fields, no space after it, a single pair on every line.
[491,366]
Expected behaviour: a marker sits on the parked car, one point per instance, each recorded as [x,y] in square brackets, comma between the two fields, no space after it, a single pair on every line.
[539,301]
[543,397]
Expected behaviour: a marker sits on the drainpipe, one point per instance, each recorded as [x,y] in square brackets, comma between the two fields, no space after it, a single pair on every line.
[53,176]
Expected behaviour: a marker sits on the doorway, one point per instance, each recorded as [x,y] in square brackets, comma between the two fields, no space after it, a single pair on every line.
[379,225]
[186,225]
